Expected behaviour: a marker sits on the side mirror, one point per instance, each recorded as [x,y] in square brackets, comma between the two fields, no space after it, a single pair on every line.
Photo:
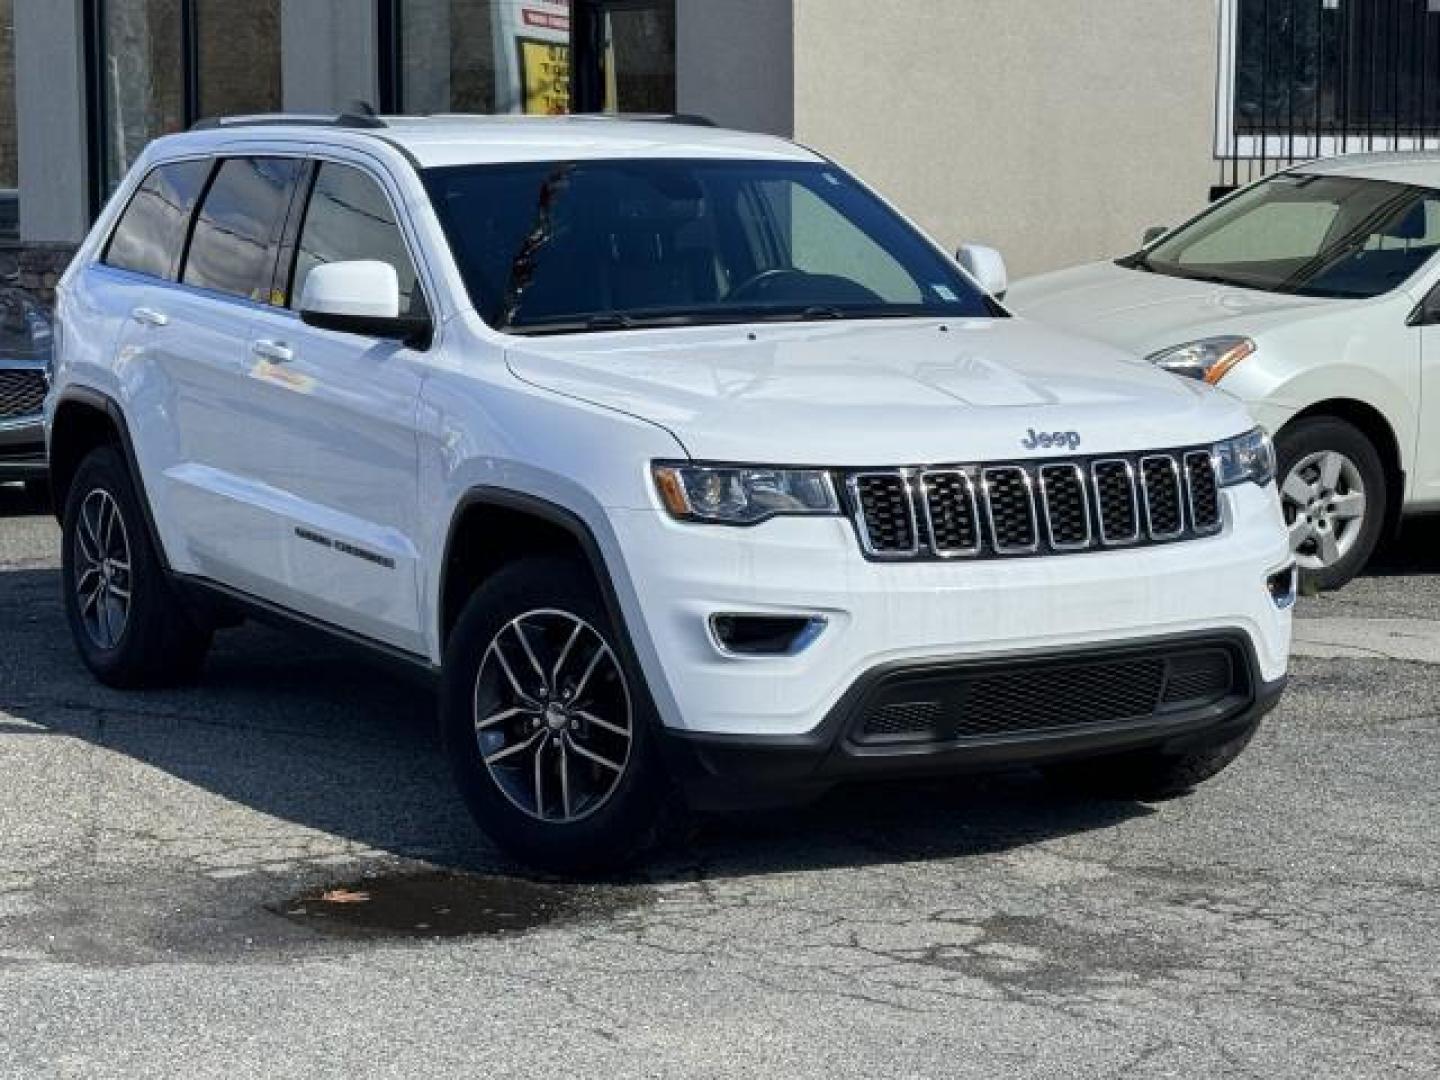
[986,266]
[359,297]
[1153,233]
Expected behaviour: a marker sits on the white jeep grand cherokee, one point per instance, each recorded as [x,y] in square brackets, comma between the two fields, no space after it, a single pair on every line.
[677,457]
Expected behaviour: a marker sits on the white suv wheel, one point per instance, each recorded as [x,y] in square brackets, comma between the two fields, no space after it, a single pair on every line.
[1324,500]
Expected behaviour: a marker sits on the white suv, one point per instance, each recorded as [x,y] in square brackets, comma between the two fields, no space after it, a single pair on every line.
[677,458]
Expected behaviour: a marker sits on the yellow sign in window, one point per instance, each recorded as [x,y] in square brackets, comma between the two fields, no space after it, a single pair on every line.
[545,75]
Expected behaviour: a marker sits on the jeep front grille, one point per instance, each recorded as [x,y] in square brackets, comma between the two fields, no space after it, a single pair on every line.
[1040,508]
[22,393]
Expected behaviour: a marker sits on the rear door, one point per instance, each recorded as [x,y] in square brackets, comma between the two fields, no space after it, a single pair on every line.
[326,444]
[218,514]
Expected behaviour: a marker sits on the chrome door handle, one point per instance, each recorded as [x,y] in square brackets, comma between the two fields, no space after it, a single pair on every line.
[277,352]
[150,317]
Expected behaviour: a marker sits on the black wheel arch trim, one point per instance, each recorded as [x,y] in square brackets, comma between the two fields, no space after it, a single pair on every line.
[563,517]
[98,400]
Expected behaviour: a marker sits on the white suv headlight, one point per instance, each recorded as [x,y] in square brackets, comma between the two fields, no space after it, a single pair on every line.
[1209,360]
[1245,458]
[743,494]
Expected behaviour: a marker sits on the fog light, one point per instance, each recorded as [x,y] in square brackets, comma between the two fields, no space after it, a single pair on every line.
[1283,586]
[766,635]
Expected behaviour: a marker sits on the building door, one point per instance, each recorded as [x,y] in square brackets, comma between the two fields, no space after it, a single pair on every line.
[624,56]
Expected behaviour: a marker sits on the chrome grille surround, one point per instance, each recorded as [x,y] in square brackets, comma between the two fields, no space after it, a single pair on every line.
[1053,507]
[959,519]
[1028,508]
[1009,495]
[1163,500]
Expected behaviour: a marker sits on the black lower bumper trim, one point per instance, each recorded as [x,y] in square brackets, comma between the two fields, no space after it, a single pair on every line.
[726,770]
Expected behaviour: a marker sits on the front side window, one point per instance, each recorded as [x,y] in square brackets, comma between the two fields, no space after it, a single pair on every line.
[237,231]
[1336,236]
[349,218]
[557,246]
[151,231]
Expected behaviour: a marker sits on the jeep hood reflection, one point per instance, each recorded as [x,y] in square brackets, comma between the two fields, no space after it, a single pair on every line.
[882,393]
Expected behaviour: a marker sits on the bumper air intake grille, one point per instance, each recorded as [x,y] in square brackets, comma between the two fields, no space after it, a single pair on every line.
[1051,695]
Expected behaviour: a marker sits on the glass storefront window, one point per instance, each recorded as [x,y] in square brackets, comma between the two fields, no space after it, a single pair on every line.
[167,63]
[142,79]
[516,56]
[237,57]
[9,164]
[484,56]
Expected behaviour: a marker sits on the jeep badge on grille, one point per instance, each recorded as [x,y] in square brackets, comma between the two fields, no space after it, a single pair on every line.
[1045,440]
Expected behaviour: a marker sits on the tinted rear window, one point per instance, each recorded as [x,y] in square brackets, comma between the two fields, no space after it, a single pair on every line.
[238,228]
[151,231]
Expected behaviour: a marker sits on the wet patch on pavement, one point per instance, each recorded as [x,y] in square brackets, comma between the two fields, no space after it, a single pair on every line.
[434,904]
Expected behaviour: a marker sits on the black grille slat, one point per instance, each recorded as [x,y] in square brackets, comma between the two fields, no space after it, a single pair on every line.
[1027,697]
[887,515]
[1160,491]
[1203,492]
[1067,506]
[951,513]
[1010,507]
[22,393]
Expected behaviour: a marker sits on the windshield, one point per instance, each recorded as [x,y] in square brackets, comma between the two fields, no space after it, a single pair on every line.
[1337,236]
[598,245]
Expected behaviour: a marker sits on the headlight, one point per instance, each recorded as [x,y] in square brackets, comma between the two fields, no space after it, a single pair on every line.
[743,494]
[1209,360]
[1249,457]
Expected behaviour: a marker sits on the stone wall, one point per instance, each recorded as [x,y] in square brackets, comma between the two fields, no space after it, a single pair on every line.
[35,268]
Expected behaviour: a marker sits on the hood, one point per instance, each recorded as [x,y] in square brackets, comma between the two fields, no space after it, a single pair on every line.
[1143,313]
[879,392]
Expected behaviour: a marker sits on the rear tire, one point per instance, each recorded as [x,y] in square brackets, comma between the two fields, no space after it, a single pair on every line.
[1150,774]
[550,733]
[1335,498]
[129,626]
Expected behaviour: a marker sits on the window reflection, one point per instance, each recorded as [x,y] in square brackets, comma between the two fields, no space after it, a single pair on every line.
[348,218]
[237,231]
[142,78]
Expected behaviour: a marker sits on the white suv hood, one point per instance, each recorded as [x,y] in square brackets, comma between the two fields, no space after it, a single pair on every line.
[879,392]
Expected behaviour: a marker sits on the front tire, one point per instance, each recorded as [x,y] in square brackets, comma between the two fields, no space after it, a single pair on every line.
[550,734]
[128,624]
[1150,774]
[1334,496]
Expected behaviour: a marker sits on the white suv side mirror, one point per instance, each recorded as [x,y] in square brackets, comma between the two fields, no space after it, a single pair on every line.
[363,288]
[986,266]
[361,296]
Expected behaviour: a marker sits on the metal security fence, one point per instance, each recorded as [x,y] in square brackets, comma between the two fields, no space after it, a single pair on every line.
[1309,78]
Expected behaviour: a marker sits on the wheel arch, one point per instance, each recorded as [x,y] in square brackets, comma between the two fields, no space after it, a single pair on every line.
[491,527]
[1371,423]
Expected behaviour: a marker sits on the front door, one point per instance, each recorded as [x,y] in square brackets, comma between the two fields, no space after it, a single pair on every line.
[330,428]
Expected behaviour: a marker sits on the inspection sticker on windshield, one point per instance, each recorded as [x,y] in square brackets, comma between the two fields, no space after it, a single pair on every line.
[943,291]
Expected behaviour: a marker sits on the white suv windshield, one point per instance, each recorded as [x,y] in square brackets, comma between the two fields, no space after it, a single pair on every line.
[551,247]
[1338,236]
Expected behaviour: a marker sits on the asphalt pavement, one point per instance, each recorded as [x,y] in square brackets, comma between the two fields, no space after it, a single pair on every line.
[268,874]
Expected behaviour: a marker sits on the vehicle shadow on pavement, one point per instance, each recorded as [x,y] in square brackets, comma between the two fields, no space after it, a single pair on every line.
[306,734]
[1416,550]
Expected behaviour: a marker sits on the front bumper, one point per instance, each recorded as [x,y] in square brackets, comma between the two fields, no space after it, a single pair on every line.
[724,771]
[878,614]
[22,449]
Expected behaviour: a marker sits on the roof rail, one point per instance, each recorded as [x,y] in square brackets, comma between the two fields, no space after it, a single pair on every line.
[689,119]
[356,120]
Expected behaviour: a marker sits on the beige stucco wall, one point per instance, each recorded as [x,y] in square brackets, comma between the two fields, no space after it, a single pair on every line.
[1056,130]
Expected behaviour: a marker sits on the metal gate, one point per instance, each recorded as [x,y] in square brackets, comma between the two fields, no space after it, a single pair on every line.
[1310,78]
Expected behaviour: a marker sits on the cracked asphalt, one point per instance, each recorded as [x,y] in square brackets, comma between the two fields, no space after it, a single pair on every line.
[1283,922]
